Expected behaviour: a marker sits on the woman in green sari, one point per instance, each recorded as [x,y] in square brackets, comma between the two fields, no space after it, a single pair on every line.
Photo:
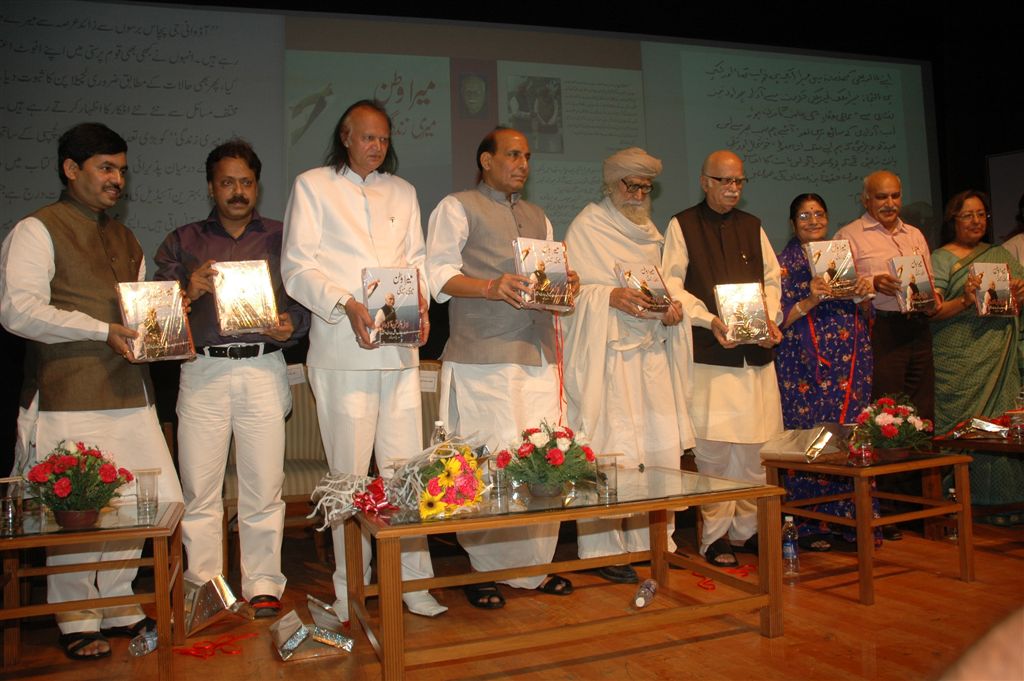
[977,359]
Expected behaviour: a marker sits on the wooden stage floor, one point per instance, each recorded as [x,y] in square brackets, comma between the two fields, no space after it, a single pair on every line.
[922,621]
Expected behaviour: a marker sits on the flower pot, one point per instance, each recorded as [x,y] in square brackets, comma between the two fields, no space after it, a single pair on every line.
[77,520]
[539,489]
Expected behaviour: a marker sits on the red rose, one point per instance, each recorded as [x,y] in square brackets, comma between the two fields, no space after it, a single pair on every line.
[108,473]
[525,450]
[555,456]
[126,474]
[503,458]
[589,453]
[928,425]
[568,432]
[886,402]
[63,488]
[890,411]
[890,430]
[80,446]
[903,411]
[863,417]
[93,452]
[40,473]
[530,431]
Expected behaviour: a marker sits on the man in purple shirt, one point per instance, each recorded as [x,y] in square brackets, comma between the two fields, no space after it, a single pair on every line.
[235,385]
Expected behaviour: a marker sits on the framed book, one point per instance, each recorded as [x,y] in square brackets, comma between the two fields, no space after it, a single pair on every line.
[244,294]
[742,308]
[833,261]
[545,264]
[392,297]
[647,279]
[153,309]
[993,297]
[916,288]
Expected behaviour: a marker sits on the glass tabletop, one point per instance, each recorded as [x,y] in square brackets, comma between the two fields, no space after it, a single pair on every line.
[634,485]
[36,520]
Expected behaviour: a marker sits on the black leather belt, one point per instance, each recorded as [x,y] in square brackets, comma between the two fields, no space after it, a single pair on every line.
[237,351]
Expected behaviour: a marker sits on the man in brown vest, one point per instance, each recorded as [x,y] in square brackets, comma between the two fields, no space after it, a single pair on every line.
[499,363]
[736,405]
[58,273]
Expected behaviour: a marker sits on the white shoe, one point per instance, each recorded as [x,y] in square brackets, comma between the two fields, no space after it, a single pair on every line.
[422,603]
[341,609]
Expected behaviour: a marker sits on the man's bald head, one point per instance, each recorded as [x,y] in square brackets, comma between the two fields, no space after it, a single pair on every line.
[883,197]
[722,180]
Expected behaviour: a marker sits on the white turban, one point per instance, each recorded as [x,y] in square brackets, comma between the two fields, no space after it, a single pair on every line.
[631,161]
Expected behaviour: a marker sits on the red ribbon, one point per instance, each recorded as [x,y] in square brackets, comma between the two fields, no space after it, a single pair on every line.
[708,584]
[223,644]
[374,499]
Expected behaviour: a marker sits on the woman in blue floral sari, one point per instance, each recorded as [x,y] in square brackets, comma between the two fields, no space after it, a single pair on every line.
[824,361]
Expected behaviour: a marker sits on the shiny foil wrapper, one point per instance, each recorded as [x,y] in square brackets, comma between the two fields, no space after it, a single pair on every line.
[808,445]
[978,428]
[323,615]
[332,638]
[245,298]
[208,603]
[153,309]
[293,640]
[288,633]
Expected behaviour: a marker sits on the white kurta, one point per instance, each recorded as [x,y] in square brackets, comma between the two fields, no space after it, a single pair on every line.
[335,225]
[734,409]
[625,378]
[493,403]
[131,436]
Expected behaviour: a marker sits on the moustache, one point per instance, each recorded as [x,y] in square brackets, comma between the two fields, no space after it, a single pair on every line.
[112,187]
[239,199]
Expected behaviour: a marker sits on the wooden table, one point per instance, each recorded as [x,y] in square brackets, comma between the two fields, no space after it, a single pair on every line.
[934,504]
[115,524]
[654,491]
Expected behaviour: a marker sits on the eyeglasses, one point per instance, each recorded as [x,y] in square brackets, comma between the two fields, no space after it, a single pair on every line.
[644,189]
[807,215]
[726,181]
[966,216]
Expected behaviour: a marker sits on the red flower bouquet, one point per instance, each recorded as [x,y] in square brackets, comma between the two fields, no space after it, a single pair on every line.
[78,479]
[548,455]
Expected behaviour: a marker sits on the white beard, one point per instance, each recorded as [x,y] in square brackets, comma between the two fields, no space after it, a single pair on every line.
[637,213]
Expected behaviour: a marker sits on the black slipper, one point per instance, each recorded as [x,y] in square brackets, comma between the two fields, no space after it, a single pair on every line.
[482,596]
[751,544]
[720,554]
[556,586]
[75,641]
[620,574]
[132,630]
[265,605]
[815,542]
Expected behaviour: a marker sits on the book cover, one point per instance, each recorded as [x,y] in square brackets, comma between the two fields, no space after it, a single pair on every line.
[392,297]
[993,297]
[916,290]
[545,264]
[833,261]
[153,308]
[244,294]
[645,278]
[742,308]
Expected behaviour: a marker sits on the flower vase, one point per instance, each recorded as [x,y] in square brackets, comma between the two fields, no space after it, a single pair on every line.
[540,489]
[77,520]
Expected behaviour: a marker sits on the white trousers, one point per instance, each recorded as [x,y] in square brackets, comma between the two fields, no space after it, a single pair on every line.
[133,439]
[737,519]
[609,536]
[249,397]
[493,404]
[361,412]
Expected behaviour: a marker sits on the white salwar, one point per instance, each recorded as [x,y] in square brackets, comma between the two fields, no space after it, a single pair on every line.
[625,378]
[737,409]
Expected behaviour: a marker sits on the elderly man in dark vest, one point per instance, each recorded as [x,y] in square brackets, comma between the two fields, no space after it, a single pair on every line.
[59,269]
[499,364]
[735,406]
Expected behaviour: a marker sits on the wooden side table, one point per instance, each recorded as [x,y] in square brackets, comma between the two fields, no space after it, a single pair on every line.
[933,506]
[117,524]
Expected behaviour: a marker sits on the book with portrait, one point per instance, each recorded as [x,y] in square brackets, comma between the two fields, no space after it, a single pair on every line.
[742,309]
[545,264]
[916,290]
[645,278]
[833,261]
[392,297]
[153,309]
[244,295]
[993,297]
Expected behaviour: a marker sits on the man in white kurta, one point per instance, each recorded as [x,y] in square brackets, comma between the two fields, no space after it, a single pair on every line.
[58,274]
[736,405]
[498,376]
[625,372]
[341,218]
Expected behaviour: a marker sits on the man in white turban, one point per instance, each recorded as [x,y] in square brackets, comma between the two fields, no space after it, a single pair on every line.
[625,371]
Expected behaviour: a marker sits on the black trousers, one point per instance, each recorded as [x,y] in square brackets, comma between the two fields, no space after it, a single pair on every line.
[902,347]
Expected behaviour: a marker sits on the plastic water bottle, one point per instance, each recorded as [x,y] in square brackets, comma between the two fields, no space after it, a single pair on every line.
[143,644]
[645,594]
[954,534]
[439,434]
[790,551]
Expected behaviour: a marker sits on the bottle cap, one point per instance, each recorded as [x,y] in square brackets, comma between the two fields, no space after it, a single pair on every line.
[788,518]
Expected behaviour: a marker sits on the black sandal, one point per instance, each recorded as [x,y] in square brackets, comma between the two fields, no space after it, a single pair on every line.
[132,630]
[556,586]
[485,596]
[620,574]
[76,641]
[720,554]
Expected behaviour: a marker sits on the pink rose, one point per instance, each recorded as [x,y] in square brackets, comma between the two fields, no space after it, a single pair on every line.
[890,430]
[466,485]
[449,496]
[108,473]
[525,450]
[555,456]
[503,458]
[434,487]
[589,453]
[63,488]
